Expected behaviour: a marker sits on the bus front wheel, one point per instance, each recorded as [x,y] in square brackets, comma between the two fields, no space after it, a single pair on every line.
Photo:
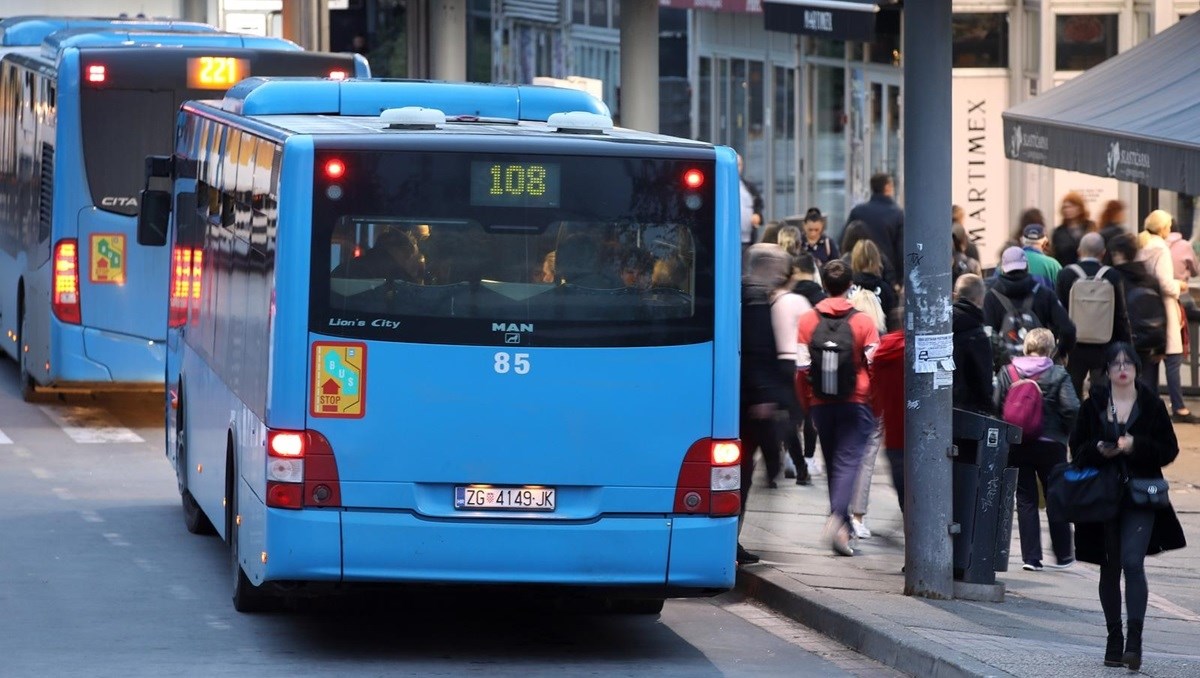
[246,596]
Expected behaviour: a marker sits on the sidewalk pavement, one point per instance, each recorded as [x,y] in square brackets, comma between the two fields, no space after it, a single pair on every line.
[1050,623]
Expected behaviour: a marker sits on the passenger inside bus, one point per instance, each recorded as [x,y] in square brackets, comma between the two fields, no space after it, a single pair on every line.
[393,257]
[579,261]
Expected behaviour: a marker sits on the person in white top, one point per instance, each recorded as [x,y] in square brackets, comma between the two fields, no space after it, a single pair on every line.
[786,309]
[1156,256]
[751,208]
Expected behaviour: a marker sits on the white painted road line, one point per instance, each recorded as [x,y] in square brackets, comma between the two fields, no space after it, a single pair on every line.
[89,425]
[115,539]
[41,473]
[5,440]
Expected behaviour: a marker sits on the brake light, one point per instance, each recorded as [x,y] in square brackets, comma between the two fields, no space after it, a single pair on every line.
[710,479]
[301,471]
[185,283]
[66,282]
[693,178]
[96,73]
[335,169]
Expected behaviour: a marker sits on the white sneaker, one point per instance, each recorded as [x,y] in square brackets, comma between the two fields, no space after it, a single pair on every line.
[859,528]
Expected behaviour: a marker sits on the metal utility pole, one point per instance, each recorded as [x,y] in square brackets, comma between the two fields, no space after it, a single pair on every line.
[928,346]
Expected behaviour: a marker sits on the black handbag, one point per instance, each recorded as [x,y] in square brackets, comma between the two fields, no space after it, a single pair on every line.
[1084,494]
[1149,493]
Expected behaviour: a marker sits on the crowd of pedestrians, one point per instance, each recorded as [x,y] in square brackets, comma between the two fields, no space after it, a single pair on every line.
[1063,339]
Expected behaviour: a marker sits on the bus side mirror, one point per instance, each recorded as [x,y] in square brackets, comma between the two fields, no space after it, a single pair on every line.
[153,217]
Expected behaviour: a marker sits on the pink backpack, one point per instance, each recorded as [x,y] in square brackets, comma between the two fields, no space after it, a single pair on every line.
[1023,406]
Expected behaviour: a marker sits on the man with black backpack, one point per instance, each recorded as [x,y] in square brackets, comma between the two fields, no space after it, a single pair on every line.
[1017,304]
[833,354]
[1094,296]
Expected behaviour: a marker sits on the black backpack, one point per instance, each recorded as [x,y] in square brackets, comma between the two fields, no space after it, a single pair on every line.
[1147,318]
[833,373]
[1009,342]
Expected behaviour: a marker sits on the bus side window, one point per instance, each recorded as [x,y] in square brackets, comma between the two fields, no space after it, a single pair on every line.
[229,177]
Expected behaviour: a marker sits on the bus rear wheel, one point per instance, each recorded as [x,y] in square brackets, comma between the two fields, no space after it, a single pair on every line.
[28,392]
[247,597]
[193,516]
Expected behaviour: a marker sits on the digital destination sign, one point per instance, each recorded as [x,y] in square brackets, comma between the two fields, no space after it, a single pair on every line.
[515,184]
[216,72]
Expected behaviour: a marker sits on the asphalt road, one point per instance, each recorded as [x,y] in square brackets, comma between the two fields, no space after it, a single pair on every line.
[99,578]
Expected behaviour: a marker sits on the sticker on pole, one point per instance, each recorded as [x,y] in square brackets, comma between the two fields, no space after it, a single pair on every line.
[107,263]
[339,385]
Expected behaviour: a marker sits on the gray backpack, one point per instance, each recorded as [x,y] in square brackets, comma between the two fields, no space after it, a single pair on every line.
[1090,305]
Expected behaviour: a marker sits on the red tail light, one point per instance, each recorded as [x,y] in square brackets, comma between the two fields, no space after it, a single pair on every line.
[97,73]
[338,75]
[185,283]
[710,479]
[66,281]
[301,471]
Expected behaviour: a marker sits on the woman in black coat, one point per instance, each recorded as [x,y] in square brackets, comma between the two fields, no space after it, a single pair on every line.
[1125,422]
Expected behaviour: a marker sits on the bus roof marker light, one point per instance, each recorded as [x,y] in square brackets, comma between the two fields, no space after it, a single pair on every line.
[335,169]
[580,122]
[338,74]
[97,73]
[413,118]
[693,179]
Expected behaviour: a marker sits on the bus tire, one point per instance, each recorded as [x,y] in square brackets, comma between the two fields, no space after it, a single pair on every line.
[646,606]
[193,516]
[247,597]
[28,392]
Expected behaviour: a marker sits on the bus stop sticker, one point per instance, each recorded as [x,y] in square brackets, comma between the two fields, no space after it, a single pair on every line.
[108,258]
[339,385]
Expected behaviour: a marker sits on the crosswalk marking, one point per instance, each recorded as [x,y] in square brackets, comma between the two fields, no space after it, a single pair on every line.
[5,440]
[89,425]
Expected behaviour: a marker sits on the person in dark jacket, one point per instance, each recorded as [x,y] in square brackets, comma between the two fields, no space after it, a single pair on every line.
[884,223]
[764,389]
[1014,284]
[972,348]
[1064,241]
[1150,349]
[1088,358]
[1035,456]
[1123,421]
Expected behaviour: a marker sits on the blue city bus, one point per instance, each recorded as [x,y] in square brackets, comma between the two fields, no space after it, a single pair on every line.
[31,30]
[83,305]
[480,338]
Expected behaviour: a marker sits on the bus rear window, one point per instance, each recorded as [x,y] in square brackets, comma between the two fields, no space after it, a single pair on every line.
[120,128]
[564,251]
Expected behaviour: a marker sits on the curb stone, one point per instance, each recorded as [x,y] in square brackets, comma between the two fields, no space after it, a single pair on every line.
[878,638]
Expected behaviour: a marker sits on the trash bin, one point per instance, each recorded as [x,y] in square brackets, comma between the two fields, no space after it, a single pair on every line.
[984,492]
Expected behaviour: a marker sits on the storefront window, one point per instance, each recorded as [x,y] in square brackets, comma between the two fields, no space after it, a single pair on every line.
[829,48]
[782,200]
[704,95]
[980,40]
[579,12]
[598,13]
[828,150]
[886,49]
[1084,40]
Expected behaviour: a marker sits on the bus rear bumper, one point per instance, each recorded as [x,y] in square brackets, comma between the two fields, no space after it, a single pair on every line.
[88,358]
[679,554]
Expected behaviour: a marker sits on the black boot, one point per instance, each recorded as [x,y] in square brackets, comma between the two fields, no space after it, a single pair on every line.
[1115,647]
[1133,646]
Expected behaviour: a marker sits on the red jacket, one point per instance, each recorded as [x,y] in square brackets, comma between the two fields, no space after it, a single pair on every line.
[866,338]
[887,392]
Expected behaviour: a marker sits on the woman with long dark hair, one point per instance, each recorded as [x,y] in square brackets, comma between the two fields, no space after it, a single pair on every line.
[1124,422]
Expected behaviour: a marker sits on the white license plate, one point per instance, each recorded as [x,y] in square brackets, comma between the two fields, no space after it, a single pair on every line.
[531,498]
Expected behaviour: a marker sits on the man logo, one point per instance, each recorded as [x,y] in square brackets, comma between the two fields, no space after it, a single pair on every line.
[1016,142]
[512,338]
[1114,158]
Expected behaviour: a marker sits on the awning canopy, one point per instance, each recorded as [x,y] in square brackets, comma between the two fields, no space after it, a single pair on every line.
[1135,117]
[837,19]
